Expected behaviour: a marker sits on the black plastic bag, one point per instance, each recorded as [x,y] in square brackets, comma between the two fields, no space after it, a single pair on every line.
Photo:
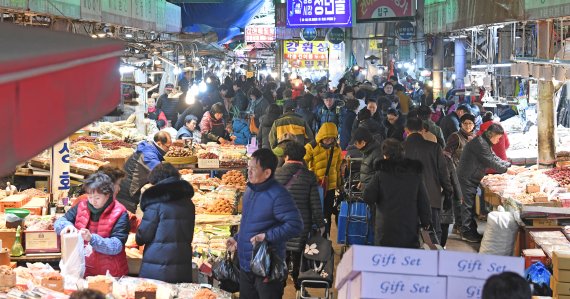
[279,270]
[261,260]
[226,270]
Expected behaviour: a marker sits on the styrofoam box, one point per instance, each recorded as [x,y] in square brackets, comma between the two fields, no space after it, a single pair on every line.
[464,288]
[360,258]
[474,265]
[387,286]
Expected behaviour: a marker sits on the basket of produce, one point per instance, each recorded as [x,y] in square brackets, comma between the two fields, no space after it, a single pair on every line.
[180,155]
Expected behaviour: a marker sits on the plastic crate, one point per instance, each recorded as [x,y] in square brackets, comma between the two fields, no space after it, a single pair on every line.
[356,219]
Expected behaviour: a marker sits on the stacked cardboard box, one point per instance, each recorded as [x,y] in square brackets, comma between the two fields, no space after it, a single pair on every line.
[383,272]
[560,281]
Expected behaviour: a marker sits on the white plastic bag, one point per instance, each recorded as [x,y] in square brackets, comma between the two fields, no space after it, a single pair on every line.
[72,255]
[500,233]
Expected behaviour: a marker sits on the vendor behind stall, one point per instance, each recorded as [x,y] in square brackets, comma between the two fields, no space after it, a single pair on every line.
[102,222]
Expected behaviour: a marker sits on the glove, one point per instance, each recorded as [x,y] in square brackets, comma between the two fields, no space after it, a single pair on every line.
[447,203]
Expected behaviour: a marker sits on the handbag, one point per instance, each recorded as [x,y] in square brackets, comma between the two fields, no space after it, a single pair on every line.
[252,126]
[324,181]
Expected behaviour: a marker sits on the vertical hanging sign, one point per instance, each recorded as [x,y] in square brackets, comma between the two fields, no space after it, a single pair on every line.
[60,172]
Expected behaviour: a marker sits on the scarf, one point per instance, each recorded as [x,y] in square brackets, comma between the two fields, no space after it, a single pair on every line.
[96,213]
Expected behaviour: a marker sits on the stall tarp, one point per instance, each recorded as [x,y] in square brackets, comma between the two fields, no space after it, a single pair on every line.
[52,84]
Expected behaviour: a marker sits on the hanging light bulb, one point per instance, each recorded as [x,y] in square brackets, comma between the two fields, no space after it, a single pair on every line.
[203,87]
[190,98]
[208,80]
[177,71]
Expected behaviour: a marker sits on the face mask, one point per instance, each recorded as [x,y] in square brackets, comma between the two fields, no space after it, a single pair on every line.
[326,146]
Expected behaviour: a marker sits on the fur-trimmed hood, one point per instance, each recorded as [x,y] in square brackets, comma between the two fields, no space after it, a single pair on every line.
[400,166]
[171,189]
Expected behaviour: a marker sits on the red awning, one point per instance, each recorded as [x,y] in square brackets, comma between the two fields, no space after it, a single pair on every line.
[51,85]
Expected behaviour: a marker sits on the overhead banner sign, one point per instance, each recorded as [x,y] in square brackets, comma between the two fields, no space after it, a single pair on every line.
[91,10]
[173,16]
[15,4]
[319,13]
[299,50]
[257,33]
[381,10]
[318,64]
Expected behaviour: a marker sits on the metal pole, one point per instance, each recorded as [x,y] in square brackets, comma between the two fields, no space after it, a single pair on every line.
[348,47]
[546,128]
[438,67]
[460,63]
[420,38]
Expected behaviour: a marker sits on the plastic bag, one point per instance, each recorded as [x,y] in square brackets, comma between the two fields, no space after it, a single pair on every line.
[72,255]
[226,270]
[500,233]
[261,260]
[279,270]
[539,276]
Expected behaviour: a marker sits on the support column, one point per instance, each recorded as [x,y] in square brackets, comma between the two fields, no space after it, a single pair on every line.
[460,62]
[348,48]
[546,144]
[420,38]
[438,67]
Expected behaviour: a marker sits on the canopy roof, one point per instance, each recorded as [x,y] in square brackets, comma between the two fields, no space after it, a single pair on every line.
[52,84]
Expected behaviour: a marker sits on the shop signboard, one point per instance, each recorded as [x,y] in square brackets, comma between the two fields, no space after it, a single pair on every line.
[173,15]
[280,15]
[308,34]
[316,64]
[382,10]
[319,13]
[335,36]
[63,8]
[91,10]
[259,33]
[117,12]
[541,9]
[144,14]
[405,30]
[283,33]
[301,50]
[60,167]
[160,19]
[15,4]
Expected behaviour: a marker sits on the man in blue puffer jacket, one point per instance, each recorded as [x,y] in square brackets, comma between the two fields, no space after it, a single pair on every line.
[241,131]
[269,214]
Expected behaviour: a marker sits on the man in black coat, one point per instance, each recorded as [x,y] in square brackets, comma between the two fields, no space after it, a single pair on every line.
[394,126]
[302,184]
[168,105]
[435,172]
[450,123]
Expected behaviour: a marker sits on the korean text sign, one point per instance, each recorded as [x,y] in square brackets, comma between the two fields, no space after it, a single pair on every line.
[300,50]
[60,172]
[319,13]
[374,10]
[259,34]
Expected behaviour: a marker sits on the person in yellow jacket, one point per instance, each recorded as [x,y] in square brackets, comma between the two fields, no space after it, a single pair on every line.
[325,148]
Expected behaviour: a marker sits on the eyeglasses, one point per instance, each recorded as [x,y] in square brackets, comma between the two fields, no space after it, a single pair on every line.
[469,124]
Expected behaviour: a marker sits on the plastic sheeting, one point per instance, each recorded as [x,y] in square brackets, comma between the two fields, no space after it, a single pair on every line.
[225,19]
[52,84]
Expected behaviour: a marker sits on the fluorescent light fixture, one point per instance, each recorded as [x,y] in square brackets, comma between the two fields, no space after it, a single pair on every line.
[129,35]
[484,66]
[448,84]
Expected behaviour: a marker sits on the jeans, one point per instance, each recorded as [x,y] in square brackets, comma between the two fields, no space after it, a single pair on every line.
[252,286]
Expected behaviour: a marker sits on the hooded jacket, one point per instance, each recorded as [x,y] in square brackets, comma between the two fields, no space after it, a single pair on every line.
[266,122]
[166,230]
[267,208]
[240,129]
[292,123]
[317,156]
[147,156]
[398,193]
[303,188]
[449,124]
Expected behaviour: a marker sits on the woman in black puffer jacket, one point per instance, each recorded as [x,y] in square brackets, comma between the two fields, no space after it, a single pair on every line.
[302,184]
[167,227]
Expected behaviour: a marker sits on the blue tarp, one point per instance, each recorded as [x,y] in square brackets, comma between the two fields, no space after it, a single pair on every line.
[225,19]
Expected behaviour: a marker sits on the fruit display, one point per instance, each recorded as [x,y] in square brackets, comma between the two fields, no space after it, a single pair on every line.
[116,144]
[561,175]
[221,206]
[33,192]
[177,151]
[234,178]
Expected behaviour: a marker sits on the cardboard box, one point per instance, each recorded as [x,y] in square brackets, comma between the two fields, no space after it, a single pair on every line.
[53,284]
[474,265]
[344,291]
[544,222]
[387,286]
[561,260]
[14,201]
[531,188]
[532,256]
[8,280]
[208,163]
[559,288]
[360,258]
[41,242]
[8,237]
[103,286]
[464,288]
[561,275]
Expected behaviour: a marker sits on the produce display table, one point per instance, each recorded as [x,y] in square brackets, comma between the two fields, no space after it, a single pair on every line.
[52,259]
